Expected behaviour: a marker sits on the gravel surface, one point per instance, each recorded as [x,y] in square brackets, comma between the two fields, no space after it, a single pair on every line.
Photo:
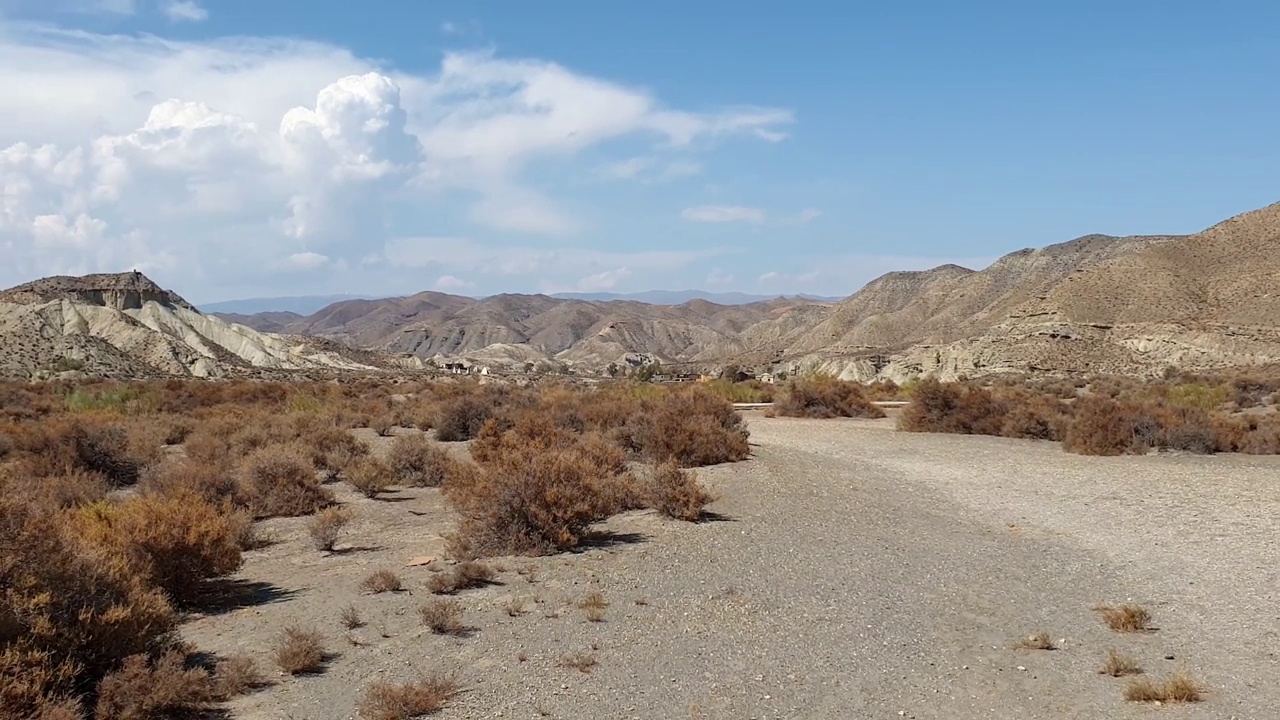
[855,572]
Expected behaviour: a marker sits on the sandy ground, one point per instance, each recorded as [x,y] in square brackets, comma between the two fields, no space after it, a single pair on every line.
[855,572]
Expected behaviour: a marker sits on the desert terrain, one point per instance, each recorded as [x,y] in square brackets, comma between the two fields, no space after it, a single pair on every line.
[848,570]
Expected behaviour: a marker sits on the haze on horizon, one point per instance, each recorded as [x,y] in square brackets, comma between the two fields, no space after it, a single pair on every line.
[232,150]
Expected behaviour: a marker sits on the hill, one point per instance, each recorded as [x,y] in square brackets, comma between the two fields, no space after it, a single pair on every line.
[126,326]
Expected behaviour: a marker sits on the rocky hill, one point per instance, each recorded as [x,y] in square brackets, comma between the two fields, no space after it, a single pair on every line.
[1133,305]
[126,326]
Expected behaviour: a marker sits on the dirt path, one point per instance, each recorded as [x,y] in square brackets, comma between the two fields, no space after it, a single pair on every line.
[858,573]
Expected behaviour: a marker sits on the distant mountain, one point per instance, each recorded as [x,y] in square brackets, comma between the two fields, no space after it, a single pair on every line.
[126,326]
[679,297]
[300,305]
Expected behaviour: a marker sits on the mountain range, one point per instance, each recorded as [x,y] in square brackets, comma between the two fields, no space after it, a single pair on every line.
[1133,305]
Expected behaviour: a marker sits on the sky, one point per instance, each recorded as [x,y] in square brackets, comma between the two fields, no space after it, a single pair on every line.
[236,149]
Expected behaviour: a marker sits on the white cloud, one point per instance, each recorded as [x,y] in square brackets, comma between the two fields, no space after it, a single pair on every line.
[307,261]
[771,276]
[448,283]
[649,169]
[723,214]
[606,280]
[468,257]
[719,278]
[808,215]
[219,158]
[184,11]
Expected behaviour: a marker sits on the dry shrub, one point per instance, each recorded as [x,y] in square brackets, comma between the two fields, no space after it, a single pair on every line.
[68,614]
[238,675]
[370,476]
[677,493]
[581,661]
[531,501]
[327,525]
[383,423]
[1039,641]
[951,408]
[1102,426]
[351,618]
[1118,665]
[1030,415]
[215,482]
[694,427]
[416,461]
[1179,687]
[463,576]
[299,651]
[461,418]
[1127,618]
[145,690]
[825,398]
[383,701]
[381,581]
[444,617]
[1262,439]
[594,605]
[74,489]
[174,541]
[333,450]
[280,481]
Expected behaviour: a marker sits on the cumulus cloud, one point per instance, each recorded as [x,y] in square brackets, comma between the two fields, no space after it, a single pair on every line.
[450,283]
[230,159]
[184,11]
[723,214]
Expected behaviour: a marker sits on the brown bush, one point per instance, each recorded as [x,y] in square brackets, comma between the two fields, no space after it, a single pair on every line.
[383,423]
[415,461]
[693,427]
[677,493]
[238,675]
[56,492]
[530,501]
[1262,439]
[825,398]
[381,581]
[175,542]
[1102,426]
[461,418]
[1031,415]
[371,476]
[383,701]
[143,690]
[333,450]
[1127,618]
[1038,641]
[280,481]
[327,525]
[216,483]
[300,652]
[68,614]
[952,408]
[465,575]
[1118,665]
[444,617]
[1177,688]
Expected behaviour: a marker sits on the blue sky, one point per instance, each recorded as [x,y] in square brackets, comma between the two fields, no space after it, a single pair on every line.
[236,149]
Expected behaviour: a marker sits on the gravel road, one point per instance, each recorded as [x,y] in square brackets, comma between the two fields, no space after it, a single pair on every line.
[857,572]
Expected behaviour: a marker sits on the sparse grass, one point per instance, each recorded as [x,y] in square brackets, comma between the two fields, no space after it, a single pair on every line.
[593,606]
[1119,664]
[327,526]
[238,675]
[580,661]
[351,619]
[444,617]
[299,651]
[1038,641]
[1127,618]
[465,575]
[1179,687]
[384,701]
[381,581]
